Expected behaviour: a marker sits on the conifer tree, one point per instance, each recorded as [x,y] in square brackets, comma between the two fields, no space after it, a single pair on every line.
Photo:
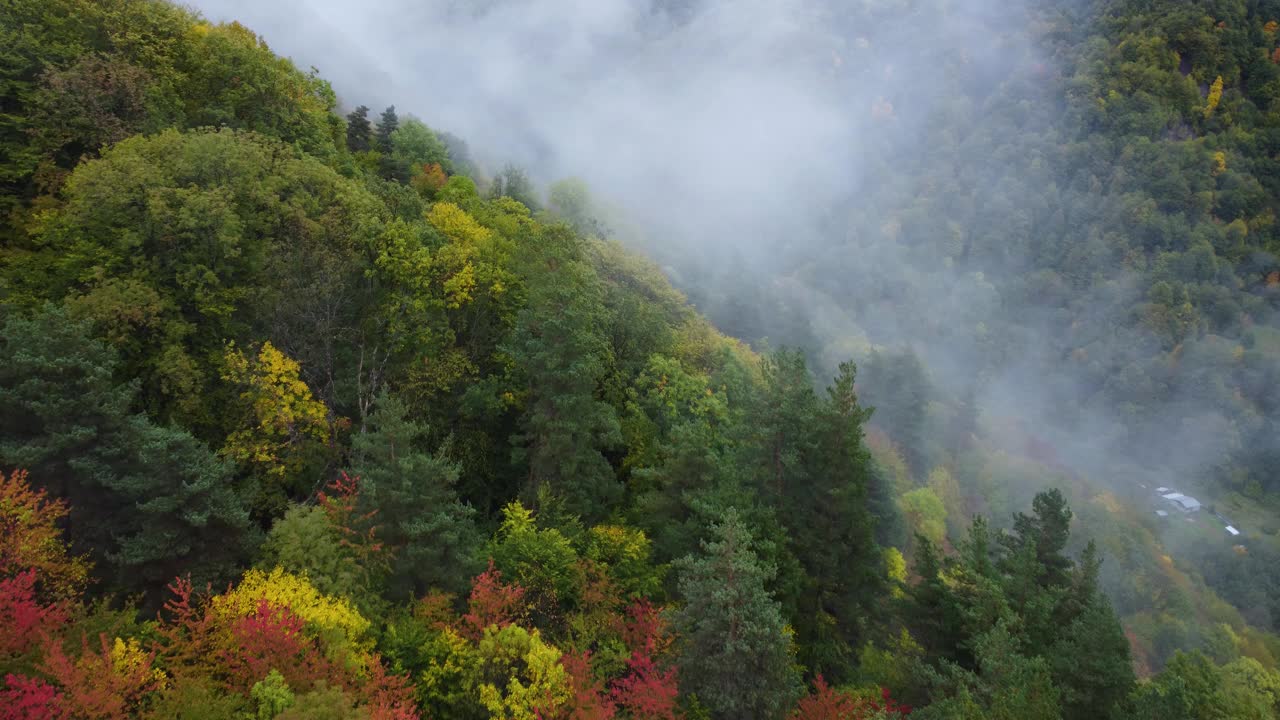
[147,502]
[431,534]
[359,131]
[388,122]
[735,652]
[558,344]
[833,533]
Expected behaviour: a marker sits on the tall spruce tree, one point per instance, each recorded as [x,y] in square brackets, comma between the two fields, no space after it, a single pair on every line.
[359,130]
[735,653]
[558,344]
[810,463]
[431,534]
[833,532]
[388,123]
[147,502]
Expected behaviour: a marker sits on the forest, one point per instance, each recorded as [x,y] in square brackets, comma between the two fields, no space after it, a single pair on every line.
[310,410]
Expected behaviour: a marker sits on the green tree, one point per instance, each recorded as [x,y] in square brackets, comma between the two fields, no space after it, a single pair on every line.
[359,130]
[388,123]
[177,242]
[1189,687]
[833,534]
[540,559]
[735,652]
[570,199]
[305,542]
[413,144]
[147,502]
[514,183]
[390,166]
[557,345]
[431,534]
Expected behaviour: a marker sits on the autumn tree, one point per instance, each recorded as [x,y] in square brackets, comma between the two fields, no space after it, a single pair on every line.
[283,430]
[39,581]
[31,539]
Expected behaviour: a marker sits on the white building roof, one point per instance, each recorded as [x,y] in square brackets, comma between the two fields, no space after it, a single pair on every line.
[1232,530]
[1186,502]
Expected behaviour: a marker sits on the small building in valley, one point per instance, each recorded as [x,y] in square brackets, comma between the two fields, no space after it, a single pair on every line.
[1185,503]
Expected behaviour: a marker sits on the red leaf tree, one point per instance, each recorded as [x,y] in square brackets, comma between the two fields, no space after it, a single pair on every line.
[26,699]
[492,602]
[828,703]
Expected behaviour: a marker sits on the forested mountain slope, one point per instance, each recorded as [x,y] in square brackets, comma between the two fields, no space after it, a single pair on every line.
[304,415]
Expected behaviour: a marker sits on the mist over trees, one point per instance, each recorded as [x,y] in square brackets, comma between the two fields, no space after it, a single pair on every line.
[762,360]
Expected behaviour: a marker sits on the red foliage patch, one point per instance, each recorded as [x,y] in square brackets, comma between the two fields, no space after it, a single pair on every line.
[827,703]
[93,685]
[646,692]
[28,699]
[26,620]
[588,700]
[492,602]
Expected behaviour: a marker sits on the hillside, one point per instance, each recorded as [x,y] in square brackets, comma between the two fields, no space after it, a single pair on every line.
[311,412]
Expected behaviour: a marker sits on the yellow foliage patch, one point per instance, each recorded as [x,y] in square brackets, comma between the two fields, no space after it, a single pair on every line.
[128,657]
[1215,96]
[284,414]
[335,618]
[535,681]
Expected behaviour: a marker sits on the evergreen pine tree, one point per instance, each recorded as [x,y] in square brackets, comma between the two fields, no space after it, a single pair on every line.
[359,130]
[735,653]
[147,502]
[388,122]
[431,534]
[832,530]
[558,344]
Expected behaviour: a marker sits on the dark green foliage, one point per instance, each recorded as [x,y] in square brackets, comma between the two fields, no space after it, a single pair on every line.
[734,653]
[149,502]
[817,472]
[1044,534]
[388,123]
[1056,650]
[558,345]
[359,131]
[431,535]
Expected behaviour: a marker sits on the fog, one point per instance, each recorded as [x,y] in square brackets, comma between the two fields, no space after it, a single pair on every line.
[749,141]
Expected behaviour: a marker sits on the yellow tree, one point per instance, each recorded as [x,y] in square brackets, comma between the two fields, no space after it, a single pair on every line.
[1215,96]
[521,677]
[335,620]
[282,426]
